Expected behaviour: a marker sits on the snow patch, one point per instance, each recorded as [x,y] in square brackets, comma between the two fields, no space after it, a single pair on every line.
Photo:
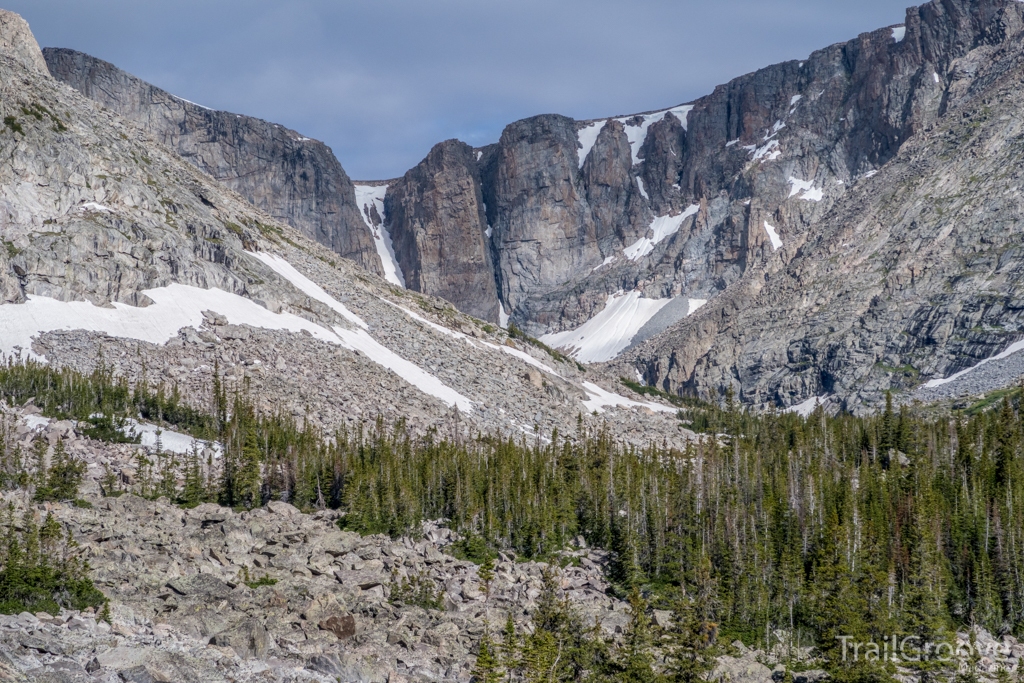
[870,174]
[637,133]
[368,196]
[640,185]
[815,194]
[360,340]
[732,142]
[525,357]
[587,137]
[1010,350]
[479,155]
[604,263]
[807,407]
[177,306]
[502,315]
[769,152]
[610,331]
[806,190]
[773,235]
[935,76]
[307,286]
[93,206]
[193,103]
[661,228]
[695,304]
[36,422]
[600,399]
[899,33]
[794,99]
[489,231]
[170,441]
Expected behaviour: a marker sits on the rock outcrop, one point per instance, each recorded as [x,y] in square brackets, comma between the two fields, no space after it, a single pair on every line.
[914,273]
[16,40]
[720,195]
[293,178]
[113,245]
[439,230]
[318,606]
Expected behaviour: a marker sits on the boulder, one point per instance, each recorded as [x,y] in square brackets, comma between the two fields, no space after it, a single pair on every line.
[344,627]
[248,639]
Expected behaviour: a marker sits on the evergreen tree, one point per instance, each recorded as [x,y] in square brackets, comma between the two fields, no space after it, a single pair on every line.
[487,668]
[635,663]
[63,478]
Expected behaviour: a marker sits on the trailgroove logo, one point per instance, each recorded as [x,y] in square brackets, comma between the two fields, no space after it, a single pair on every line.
[915,649]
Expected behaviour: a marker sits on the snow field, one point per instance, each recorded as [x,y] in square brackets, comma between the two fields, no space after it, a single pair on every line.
[373,195]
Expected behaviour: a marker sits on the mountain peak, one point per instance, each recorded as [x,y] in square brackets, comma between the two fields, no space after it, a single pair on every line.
[16,40]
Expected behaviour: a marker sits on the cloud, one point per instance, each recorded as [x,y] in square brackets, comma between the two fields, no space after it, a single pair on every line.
[381,81]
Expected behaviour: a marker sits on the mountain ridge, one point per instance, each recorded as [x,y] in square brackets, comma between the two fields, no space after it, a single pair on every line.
[551,224]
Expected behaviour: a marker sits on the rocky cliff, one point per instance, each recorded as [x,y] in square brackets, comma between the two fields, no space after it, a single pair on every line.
[581,210]
[114,247]
[293,178]
[914,274]
[599,235]
[439,230]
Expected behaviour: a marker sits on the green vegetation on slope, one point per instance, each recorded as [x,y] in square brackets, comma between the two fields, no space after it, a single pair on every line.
[869,527]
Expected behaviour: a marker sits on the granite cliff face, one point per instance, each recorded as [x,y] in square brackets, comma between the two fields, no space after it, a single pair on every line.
[914,274]
[112,243]
[439,230]
[630,224]
[291,177]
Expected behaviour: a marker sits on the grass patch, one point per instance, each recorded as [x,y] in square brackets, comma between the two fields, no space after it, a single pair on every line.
[994,398]
[515,333]
[12,124]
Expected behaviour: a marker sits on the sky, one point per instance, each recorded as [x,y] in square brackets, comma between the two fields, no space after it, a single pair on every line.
[382,81]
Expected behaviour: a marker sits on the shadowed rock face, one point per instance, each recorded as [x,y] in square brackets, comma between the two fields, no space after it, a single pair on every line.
[438,227]
[293,178]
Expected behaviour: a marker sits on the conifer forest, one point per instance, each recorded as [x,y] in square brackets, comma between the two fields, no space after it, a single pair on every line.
[900,523]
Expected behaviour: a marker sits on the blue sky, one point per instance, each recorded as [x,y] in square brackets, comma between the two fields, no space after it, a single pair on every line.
[382,81]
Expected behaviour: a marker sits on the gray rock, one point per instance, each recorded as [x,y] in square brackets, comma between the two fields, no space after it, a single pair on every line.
[293,178]
[436,218]
[247,639]
[200,585]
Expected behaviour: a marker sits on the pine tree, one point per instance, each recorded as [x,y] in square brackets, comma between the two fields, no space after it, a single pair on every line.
[193,490]
[635,664]
[690,644]
[487,668]
[510,648]
[63,478]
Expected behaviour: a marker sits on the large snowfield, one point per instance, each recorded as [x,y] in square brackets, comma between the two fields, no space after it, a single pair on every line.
[178,306]
[609,332]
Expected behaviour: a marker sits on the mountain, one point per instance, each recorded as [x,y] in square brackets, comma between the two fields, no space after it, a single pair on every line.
[908,274]
[293,178]
[118,252]
[606,236]
[229,454]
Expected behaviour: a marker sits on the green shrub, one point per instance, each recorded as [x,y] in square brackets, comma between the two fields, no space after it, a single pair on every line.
[418,590]
[473,548]
[38,572]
